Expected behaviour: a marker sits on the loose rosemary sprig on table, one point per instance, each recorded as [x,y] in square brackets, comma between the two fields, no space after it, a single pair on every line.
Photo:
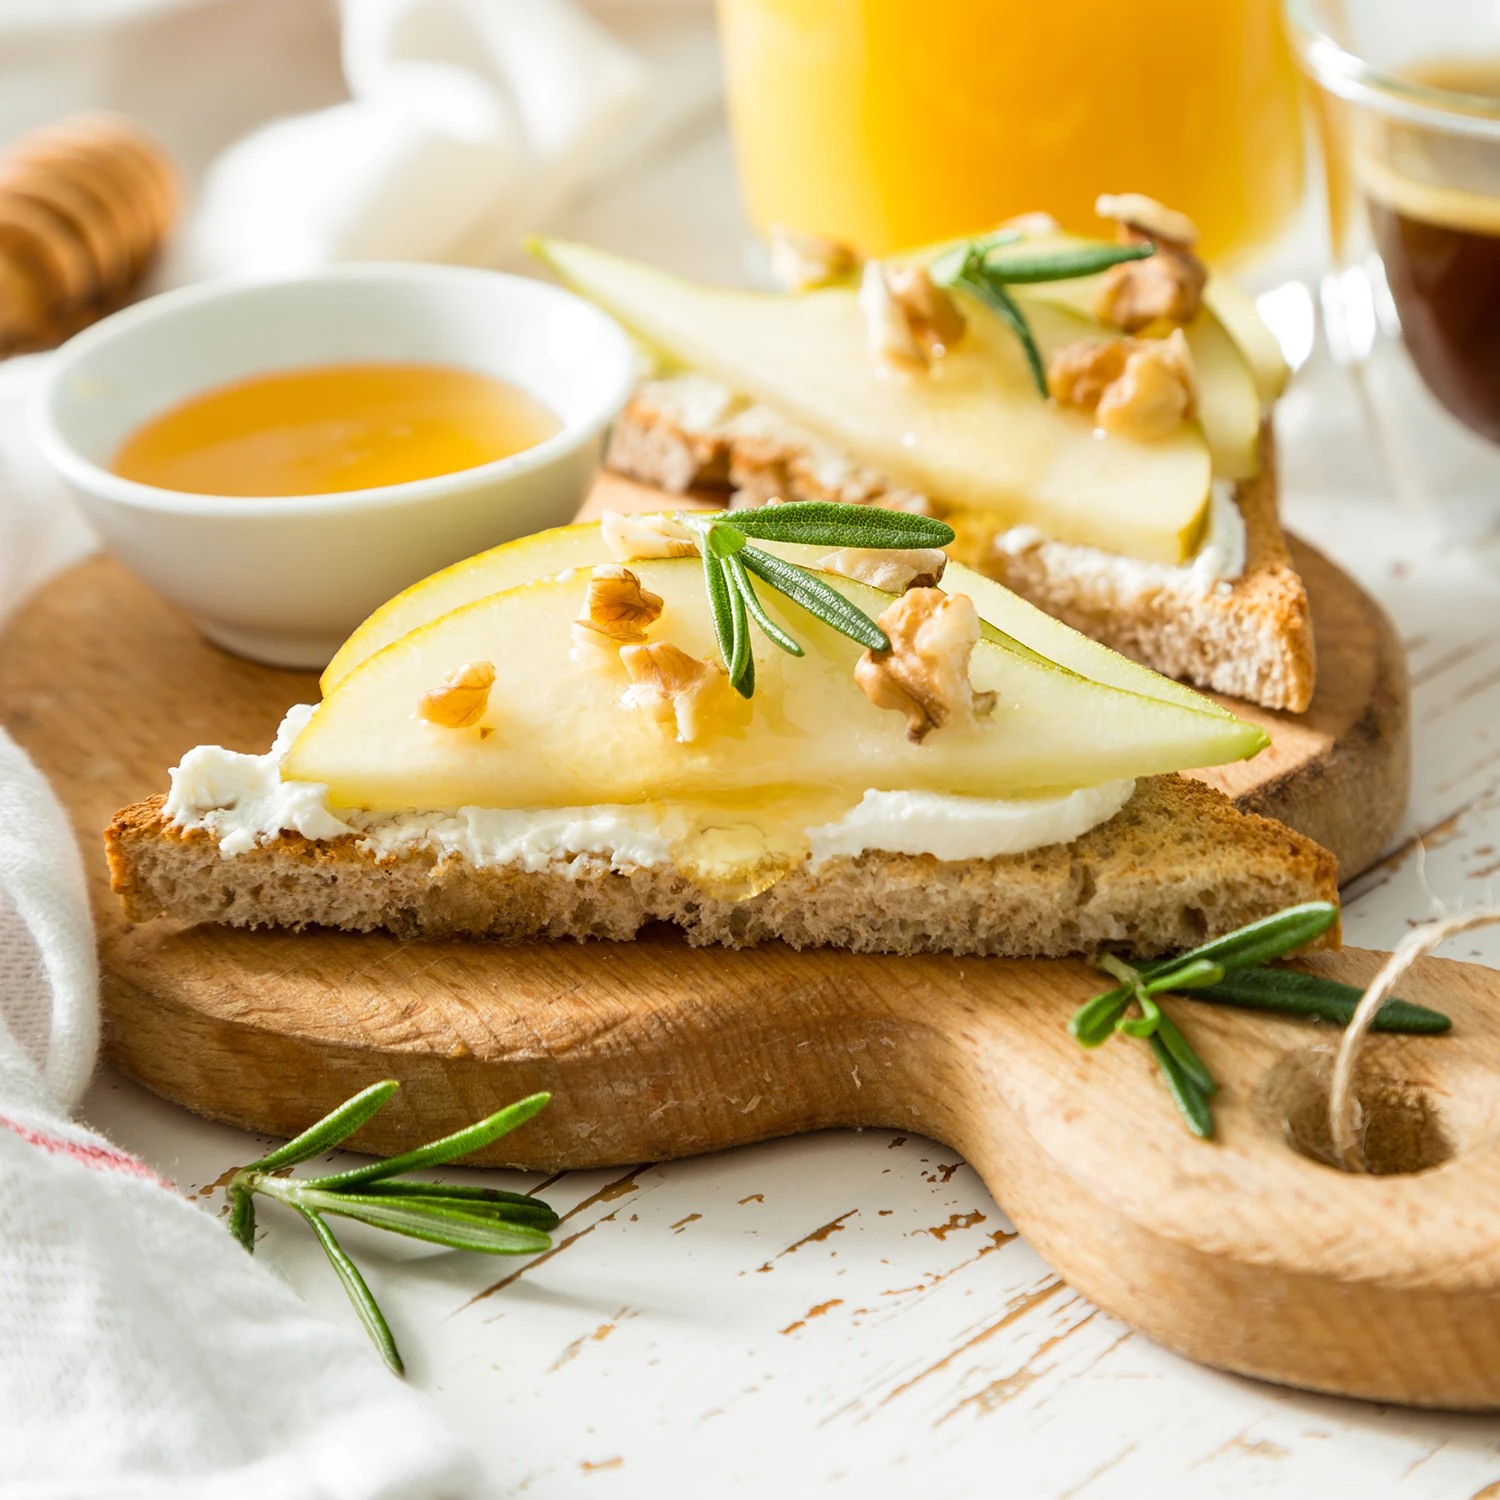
[487,1220]
[975,267]
[729,561]
[1230,970]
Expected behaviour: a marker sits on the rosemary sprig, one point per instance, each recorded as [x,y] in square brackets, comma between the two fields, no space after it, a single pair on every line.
[1228,971]
[979,269]
[487,1220]
[729,561]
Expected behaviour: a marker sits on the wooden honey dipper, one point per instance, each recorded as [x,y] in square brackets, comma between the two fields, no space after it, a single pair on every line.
[84,206]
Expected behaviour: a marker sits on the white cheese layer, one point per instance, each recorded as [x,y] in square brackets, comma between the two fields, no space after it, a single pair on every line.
[241,801]
[1219,560]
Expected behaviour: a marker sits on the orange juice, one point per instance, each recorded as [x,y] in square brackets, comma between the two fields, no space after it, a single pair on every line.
[330,428]
[890,124]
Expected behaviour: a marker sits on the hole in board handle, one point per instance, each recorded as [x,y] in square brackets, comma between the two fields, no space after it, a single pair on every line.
[1403,1128]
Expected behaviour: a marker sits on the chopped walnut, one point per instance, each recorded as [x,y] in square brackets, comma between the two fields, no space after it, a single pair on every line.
[925,674]
[1166,289]
[1153,220]
[887,327]
[931,313]
[462,699]
[1139,388]
[1079,374]
[672,687]
[909,318]
[802,261]
[893,571]
[616,607]
[1156,392]
[632,537]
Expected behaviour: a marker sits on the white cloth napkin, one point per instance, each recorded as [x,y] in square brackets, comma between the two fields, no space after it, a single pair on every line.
[142,1352]
[469,123]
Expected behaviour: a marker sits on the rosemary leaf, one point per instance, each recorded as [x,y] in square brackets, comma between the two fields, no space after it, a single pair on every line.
[519,1204]
[330,1130]
[947,266]
[1257,942]
[1190,1100]
[1144,1024]
[816,598]
[460,1143]
[1289,993]
[740,580]
[438,1221]
[1198,971]
[359,1293]
[242,1216]
[1093,1023]
[994,296]
[716,585]
[1184,1056]
[742,657]
[1061,265]
[821,523]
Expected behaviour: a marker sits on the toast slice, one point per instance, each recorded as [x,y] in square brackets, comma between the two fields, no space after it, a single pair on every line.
[1178,864]
[1250,637]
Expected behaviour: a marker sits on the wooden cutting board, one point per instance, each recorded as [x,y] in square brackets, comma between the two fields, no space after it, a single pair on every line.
[1244,1253]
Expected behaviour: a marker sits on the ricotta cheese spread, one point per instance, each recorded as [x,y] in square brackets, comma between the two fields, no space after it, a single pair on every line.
[241,800]
[1219,560]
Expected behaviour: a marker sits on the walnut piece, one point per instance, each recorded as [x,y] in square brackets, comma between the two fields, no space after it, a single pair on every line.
[672,687]
[887,329]
[632,537]
[931,313]
[462,699]
[1138,388]
[1079,374]
[909,318]
[925,674]
[802,261]
[616,607]
[1156,392]
[1166,289]
[1152,220]
[893,571]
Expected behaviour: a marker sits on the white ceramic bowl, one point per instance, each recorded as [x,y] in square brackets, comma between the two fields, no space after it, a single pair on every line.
[285,580]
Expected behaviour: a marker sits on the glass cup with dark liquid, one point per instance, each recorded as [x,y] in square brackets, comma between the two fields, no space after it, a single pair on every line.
[1407,98]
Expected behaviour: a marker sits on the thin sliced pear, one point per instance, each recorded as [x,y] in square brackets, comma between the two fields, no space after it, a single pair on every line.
[1022,621]
[504,567]
[1009,620]
[971,432]
[562,732]
[1230,404]
[1236,311]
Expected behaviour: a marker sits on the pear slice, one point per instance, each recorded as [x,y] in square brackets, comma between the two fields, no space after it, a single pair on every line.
[504,567]
[971,432]
[1009,620]
[562,731]
[1231,404]
[1237,314]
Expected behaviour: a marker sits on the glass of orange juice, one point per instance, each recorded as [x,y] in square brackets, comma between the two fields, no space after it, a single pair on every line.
[889,124]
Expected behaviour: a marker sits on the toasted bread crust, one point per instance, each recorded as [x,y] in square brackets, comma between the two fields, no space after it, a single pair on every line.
[1251,639]
[1177,865]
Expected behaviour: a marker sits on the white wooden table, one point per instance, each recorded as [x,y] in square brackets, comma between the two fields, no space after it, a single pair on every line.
[850,1313]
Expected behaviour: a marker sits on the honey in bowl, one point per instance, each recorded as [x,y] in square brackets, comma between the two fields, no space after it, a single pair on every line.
[324,429]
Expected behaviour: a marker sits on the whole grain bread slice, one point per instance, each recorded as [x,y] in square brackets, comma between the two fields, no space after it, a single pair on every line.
[1250,637]
[1176,865]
